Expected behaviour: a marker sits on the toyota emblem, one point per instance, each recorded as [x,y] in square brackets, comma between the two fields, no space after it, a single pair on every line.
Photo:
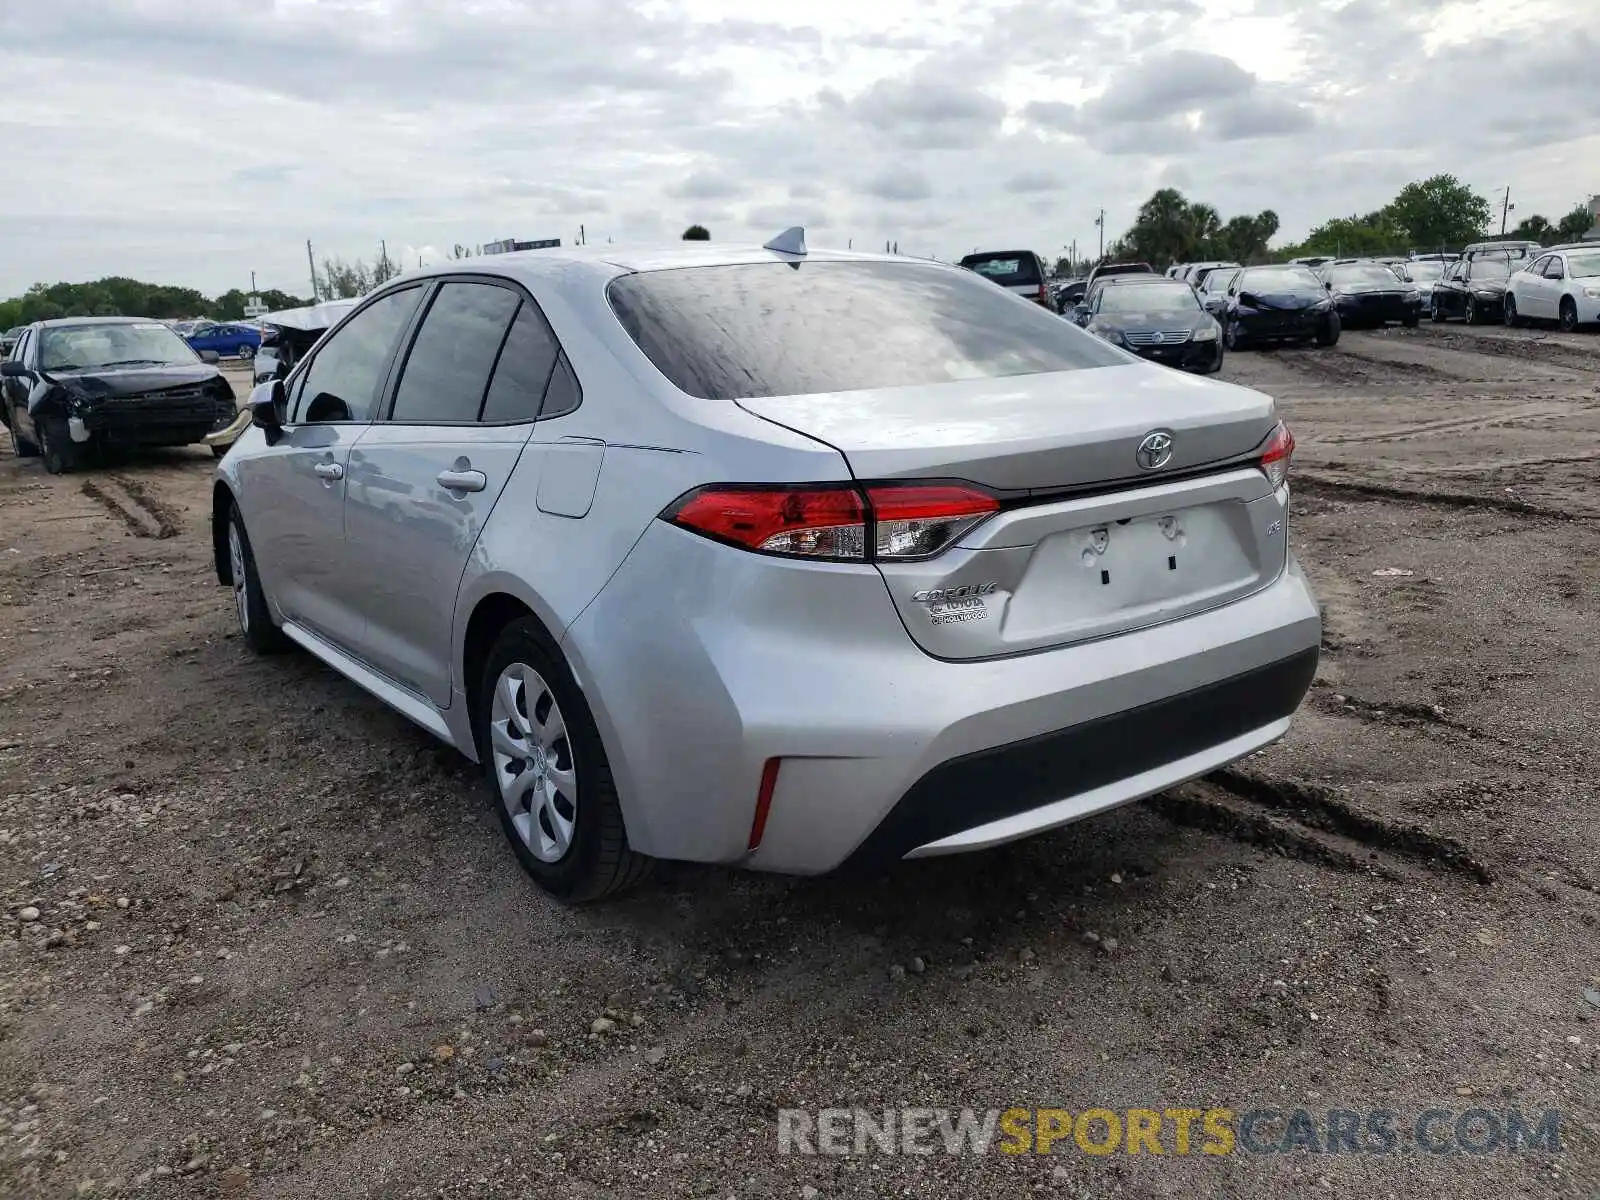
[1155,451]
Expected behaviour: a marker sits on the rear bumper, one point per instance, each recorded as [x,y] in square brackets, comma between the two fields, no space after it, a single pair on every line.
[701,663]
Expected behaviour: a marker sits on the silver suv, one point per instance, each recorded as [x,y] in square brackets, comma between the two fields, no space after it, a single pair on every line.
[771,558]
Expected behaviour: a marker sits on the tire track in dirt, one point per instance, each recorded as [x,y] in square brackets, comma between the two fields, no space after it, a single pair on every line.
[1459,425]
[1315,823]
[1523,347]
[1324,485]
[144,515]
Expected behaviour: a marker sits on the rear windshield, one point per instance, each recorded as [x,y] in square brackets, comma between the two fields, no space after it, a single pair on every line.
[1009,269]
[772,329]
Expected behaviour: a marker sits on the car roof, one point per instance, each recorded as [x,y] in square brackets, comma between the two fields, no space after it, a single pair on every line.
[602,263]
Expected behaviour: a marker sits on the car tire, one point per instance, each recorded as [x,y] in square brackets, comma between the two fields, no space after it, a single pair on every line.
[1233,337]
[1508,313]
[256,626]
[1216,367]
[1328,334]
[1435,313]
[23,447]
[1567,315]
[1474,314]
[531,716]
[246,353]
[61,454]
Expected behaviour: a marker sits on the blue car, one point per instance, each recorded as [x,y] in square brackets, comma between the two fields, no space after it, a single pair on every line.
[229,341]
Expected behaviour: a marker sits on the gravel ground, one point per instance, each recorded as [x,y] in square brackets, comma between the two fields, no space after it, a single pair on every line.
[258,936]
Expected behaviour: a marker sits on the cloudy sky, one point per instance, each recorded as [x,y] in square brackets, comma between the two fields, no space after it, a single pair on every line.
[195,142]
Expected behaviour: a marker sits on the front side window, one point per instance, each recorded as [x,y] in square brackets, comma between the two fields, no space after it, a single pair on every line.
[776,329]
[344,379]
[447,371]
[1555,270]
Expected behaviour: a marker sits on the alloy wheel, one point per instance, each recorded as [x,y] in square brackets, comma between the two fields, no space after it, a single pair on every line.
[241,597]
[1568,319]
[533,762]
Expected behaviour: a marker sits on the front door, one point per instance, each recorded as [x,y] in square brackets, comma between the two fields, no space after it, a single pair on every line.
[426,476]
[293,493]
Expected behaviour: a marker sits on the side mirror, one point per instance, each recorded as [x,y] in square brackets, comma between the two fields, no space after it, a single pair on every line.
[1080,314]
[210,356]
[266,409]
[15,370]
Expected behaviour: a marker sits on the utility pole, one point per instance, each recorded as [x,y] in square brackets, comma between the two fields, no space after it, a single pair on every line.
[1505,210]
[582,241]
[252,283]
[312,263]
[1100,221]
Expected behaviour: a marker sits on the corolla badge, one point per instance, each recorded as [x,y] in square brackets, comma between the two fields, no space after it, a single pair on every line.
[1155,451]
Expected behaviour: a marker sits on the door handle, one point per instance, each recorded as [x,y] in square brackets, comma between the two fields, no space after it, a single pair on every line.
[462,481]
[329,470]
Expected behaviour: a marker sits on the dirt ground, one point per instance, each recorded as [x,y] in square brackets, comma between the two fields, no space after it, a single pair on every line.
[280,949]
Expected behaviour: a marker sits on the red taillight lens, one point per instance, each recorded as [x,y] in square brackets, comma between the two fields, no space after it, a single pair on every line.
[1044,294]
[1275,458]
[836,522]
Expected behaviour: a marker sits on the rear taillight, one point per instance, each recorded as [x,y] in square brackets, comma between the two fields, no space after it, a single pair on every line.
[1275,458]
[836,522]
[1044,294]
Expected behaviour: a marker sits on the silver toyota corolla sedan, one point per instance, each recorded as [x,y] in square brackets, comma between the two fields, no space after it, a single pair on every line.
[770,557]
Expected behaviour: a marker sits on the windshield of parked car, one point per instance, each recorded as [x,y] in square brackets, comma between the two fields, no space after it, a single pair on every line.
[1279,281]
[1149,297]
[1009,270]
[136,343]
[1583,266]
[1363,275]
[1425,271]
[776,329]
[1495,266]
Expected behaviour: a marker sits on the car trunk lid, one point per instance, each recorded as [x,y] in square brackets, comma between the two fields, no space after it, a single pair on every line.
[1091,541]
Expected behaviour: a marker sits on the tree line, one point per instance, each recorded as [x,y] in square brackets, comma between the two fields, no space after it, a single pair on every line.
[1436,214]
[117,296]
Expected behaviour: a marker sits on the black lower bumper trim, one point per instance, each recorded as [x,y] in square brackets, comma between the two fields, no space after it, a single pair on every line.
[1003,781]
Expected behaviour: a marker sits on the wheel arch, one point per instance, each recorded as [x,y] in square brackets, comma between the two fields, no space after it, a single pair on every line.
[222,503]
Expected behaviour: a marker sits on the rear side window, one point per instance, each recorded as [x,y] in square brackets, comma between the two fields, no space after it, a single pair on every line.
[448,369]
[343,380]
[1009,270]
[772,329]
[523,370]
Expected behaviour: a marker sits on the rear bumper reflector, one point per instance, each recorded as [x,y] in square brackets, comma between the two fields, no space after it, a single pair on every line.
[769,782]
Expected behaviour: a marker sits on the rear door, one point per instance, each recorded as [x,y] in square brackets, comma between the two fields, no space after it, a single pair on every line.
[426,476]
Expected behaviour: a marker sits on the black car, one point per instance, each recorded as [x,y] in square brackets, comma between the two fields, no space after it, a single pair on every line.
[81,383]
[1370,293]
[1159,319]
[1286,303]
[1069,294]
[1474,289]
[1107,270]
[1019,271]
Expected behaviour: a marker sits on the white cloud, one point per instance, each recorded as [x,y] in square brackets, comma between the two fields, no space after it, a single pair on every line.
[143,139]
